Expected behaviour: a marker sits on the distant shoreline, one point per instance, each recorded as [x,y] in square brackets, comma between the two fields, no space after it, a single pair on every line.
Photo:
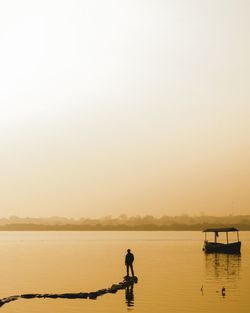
[68,227]
[124,223]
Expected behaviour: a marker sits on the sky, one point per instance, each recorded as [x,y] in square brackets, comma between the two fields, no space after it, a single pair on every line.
[139,107]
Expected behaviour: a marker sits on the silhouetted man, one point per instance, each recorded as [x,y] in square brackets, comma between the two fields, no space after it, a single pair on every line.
[129,259]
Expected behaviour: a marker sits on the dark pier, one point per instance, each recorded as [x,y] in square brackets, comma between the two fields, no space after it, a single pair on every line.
[127,282]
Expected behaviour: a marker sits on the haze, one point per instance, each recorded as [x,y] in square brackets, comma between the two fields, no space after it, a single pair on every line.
[135,107]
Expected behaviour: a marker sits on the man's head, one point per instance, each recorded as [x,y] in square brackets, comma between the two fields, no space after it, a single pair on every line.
[128,250]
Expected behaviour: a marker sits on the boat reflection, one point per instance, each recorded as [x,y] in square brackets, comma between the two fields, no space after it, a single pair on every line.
[223,268]
[129,295]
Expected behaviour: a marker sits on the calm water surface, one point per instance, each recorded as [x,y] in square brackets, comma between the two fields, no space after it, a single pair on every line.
[171,268]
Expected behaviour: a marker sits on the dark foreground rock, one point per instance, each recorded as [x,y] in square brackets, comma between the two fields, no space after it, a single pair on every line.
[128,281]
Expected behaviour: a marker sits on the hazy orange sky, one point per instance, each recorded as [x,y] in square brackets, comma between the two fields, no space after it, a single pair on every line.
[136,107]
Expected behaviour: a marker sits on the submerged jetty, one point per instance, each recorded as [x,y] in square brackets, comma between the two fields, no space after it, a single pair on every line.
[127,282]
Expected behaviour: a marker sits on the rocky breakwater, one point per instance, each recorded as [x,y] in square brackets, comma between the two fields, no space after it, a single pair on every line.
[127,282]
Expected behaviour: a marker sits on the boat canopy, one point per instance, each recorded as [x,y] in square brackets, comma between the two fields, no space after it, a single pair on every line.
[220,230]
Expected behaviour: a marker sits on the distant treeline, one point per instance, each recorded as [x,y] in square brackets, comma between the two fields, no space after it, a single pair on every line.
[124,223]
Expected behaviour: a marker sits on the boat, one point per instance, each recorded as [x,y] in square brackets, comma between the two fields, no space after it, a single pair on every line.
[218,247]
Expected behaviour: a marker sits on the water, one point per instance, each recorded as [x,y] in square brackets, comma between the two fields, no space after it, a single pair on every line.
[171,268]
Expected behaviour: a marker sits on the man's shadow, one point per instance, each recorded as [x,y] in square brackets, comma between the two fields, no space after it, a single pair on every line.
[129,294]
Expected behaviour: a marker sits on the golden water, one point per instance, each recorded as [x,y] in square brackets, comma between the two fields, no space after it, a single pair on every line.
[171,268]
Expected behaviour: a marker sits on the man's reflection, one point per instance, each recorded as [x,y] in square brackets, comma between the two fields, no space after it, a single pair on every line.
[129,294]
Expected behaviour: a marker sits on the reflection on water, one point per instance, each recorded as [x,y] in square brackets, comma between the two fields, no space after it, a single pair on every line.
[129,294]
[175,272]
[223,266]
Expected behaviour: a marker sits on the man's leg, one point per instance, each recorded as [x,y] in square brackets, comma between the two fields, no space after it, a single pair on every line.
[127,269]
[132,270]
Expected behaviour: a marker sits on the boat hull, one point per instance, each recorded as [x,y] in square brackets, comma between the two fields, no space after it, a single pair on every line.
[231,248]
